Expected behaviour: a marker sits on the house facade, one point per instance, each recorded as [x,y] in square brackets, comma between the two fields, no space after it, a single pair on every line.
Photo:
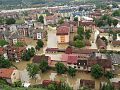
[11,75]
[63,34]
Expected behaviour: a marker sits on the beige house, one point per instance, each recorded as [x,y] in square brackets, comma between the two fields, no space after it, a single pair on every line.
[63,34]
[11,75]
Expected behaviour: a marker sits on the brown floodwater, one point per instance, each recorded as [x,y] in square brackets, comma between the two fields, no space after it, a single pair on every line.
[72,81]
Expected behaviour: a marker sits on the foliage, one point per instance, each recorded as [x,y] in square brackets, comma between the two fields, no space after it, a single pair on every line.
[17,84]
[76,19]
[51,87]
[107,86]
[3,42]
[79,37]
[96,71]
[39,44]
[41,19]
[115,22]
[32,69]
[2,20]
[109,21]
[43,66]
[4,63]
[10,21]
[60,68]
[28,54]
[109,74]
[19,44]
[61,21]
[114,36]
[116,13]
[71,71]
[87,34]
[79,43]
[80,30]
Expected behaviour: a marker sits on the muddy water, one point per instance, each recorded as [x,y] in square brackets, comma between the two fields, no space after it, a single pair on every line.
[72,81]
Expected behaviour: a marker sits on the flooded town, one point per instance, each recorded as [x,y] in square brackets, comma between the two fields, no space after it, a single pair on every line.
[60,45]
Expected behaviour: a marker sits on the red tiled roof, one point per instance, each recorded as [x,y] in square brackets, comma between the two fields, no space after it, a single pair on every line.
[87,23]
[116,43]
[62,30]
[47,82]
[6,73]
[70,58]
[52,49]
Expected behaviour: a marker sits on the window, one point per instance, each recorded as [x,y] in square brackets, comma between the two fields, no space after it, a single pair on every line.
[13,73]
[74,66]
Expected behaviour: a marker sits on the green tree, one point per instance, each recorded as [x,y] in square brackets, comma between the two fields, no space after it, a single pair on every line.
[17,84]
[71,71]
[41,19]
[114,36]
[10,21]
[4,63]
[79,43]
[64,86]
[1,21]
[116,13]
[3,42]
[51,87]
[26,56]
[80,30]
[39,44]
[32,52]
[61,21]
[60,68]
[107,86]
[19,44]
[87,34]
[96,71]
[43,66]
[76,19]
[32,69]
[109,74]
[115,22]
[109,21]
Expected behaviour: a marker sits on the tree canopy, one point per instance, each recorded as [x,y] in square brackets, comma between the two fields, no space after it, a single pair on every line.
[60,68]
[4,63]
[10,21]
[3,42]
[43,66]
[96,71]
[32,69]
[71,71]
[39,44]
[41,19]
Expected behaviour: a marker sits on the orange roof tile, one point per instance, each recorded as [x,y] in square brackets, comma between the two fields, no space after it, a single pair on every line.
[6,73]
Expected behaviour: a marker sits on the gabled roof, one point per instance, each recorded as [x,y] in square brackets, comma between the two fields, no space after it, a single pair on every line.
[62,30]
[6,73]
